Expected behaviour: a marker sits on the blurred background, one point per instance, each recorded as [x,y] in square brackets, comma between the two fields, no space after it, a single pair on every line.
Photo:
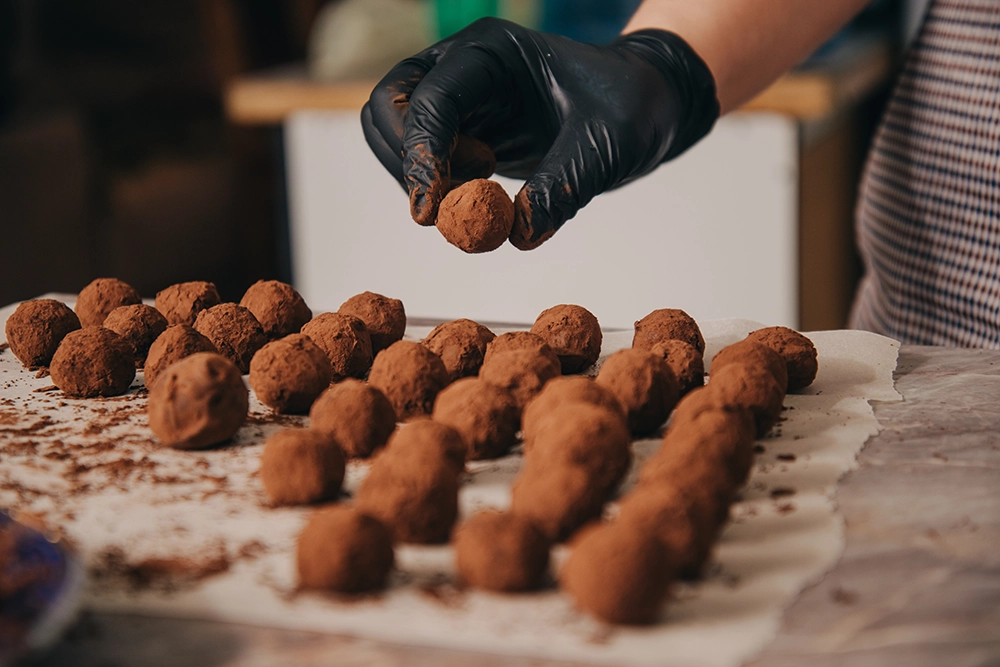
[147,140]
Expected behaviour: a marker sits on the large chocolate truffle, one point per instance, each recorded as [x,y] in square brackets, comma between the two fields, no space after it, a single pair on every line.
[289,373]
[100,297]
[385,318]
[182,302]
[36,328]
[668,324]
[301,466]
[357,415]
[520,340]
[139,325]
[685,361]
[93,361]
[177,342]
[750,353]
[345,551]
[521,372]
[425,443]
[748,387]
[476,216]
[346,342]
[797,350]
[562,391]
[485,416]
[461,344]
[556,500]
[277,306]
[410,376]
[499,551]
[234,331]
[667,514]
[199,401]
[644,385]
[573,333]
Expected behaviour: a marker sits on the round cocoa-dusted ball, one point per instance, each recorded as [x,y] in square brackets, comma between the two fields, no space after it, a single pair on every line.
[385,318]
[181,303]
[346,342]
[645,386]
[797,350]
[100,297]
[476,216]
[471,159]
[484,415]
[718,436]
[702,400]
[92,361]
[685,361]
[175,343]
[301,466]
[36,328]
[561,391]
[573,333]
[234,331]
[425,443]
[345,551]
[410,376]
[200,401]
[668,324]
[748,387]
[556,500]
[461,344]
[521,372]
[667,514]
[139,325]
[619,573]
[357,415]
[277,306]
[753,354]
[289,373]
[520,340]
[499,551]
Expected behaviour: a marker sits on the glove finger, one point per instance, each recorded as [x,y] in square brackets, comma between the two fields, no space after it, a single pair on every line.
[391,159]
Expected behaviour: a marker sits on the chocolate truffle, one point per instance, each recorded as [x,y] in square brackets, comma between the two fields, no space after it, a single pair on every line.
[425,443]
[100,297]
[666,513]
[717,434]
[93,361]
[289,373]
[461,344]
[410,376]
[797,350]
[520,340]
[345,551]
[476,216]
[277,306]
[177,342]
[182,302]
[560,391]
[702,400]
[521,372]
[384,318]
[36,328]
[139,325]
[198,402]
[573,333]
[753,354]
[471,159]
[234,331]
[357,415]
[668,324]
[346,342]
[485,416]
[556,500]
[644,385]
[499,551]
[685,361]
[749,387]
[618,573]
[301,466]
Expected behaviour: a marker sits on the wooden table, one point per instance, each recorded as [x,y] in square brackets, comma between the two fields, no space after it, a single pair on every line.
[918,583]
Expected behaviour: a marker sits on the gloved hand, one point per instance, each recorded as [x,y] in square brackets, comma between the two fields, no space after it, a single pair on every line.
[573,119]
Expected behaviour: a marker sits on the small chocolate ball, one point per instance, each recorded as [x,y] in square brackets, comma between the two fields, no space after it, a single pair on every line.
[425,443]
[301,466]
[798,352]
[521,372]
[499,551]
[561,391]
[520,340]
[36,328]
[476,216]
[345,551]
[666,513]
[461,344]
[644,385]
[234,331]
[200,401]
[100,297]
[685,361]
[485,416]
[289,373]
[139,325]
[573,333]
[175,343]
[748,387]
[702,400]
[277,306]
[668,324]
[345,341]
[357,415]
[755,354]
[93,361]
[556,500]
[385,318]
[181,303]
[410,376]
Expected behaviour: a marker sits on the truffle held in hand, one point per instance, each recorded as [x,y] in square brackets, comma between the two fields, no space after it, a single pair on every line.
[177,342]
[199,402]
[573,333]
[234,331]
[36,328]
[461,344]
[384,317]
[139,325]
[485,416]
[476,216]
[93,361]
[301,466]
[410,376]
[289,373]
[181,303]
[100,297]
[345,551]
[345,340]
[277,306]
[357,415]
[668,324]
[798,352]
[499,551]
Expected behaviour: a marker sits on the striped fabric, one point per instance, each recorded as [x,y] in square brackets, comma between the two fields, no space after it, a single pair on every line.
[928,218]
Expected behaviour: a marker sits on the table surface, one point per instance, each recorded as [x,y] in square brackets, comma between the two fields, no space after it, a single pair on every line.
[918,583]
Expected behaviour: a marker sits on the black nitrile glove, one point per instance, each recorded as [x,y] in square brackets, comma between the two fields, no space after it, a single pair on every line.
[573,119]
